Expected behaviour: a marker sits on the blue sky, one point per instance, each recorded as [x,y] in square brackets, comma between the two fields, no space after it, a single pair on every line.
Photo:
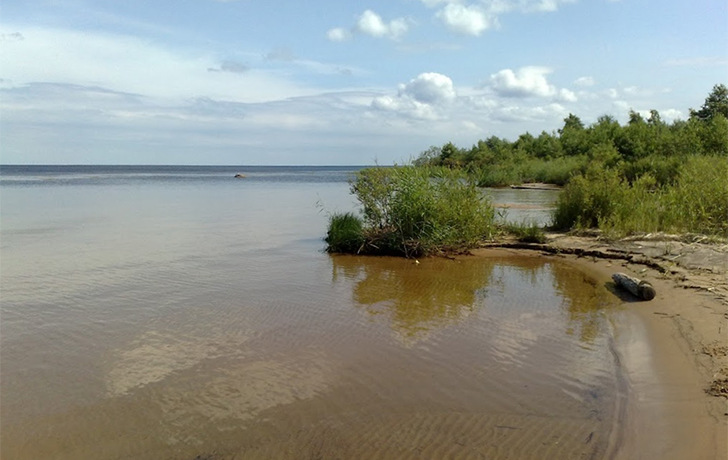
[334,81]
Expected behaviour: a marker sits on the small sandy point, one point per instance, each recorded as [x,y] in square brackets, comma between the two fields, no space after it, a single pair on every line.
[674,348]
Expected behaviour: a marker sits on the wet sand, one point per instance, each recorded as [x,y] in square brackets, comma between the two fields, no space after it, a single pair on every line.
[672,349]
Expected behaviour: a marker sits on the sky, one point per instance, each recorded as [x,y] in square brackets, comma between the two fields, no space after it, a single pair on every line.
[336,82]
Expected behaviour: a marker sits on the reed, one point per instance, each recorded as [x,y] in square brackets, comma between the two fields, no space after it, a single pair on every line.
[345,234]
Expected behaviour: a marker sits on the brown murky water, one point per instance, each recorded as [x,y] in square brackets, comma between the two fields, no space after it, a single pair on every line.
[182,322]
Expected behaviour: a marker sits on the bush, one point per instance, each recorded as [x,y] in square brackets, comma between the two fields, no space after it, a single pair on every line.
[415,211]
[589,200]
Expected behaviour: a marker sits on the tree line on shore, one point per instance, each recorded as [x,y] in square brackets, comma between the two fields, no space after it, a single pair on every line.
[645,176]
[643,145]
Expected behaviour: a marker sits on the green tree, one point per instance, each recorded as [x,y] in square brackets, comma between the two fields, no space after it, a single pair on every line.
[428,157]
[573,136]
[451,156]
[715,103]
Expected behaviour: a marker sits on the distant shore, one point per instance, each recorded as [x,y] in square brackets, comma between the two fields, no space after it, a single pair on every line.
[673,348]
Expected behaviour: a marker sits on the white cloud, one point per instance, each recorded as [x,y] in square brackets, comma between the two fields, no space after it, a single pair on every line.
[567,95]
[671,115]
[475,18]
[423,97]
[338,34]
[529,6]
[584,81]
[370,23]
[430,88]
[467,20]
[525,82]
[517,113]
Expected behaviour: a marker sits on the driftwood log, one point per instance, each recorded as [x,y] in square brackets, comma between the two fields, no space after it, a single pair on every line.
[638,288]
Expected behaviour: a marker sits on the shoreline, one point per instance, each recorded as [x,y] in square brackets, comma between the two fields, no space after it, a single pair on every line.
[673,349]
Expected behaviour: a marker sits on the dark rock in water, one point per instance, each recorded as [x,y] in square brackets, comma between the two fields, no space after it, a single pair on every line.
[638,288]
[239,176]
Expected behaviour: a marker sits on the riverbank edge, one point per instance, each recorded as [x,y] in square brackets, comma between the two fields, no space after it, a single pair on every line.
[682,334]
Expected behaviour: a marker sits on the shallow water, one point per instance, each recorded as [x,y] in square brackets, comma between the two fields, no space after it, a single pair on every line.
[185,314]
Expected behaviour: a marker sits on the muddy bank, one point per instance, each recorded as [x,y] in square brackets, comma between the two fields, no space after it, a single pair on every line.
[674,348]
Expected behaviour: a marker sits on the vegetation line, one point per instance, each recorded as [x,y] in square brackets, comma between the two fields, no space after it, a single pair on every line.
[646,176]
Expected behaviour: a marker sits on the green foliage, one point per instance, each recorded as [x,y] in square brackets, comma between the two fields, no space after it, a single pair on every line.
[696,201]
[716,103]
[589,199]
[646,176]
[345,234]
[416,211]
[645,145]
[526,232]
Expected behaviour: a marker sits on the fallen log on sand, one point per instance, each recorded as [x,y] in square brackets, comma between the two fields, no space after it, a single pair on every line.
[638,288]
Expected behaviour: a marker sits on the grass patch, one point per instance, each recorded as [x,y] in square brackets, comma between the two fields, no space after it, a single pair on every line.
[525,232]
[345,234]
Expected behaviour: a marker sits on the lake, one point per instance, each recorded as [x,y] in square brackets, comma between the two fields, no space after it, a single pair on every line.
[180,313]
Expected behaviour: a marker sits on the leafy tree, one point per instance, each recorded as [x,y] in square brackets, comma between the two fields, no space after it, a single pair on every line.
[428,157]
[573,136]
[715,103]
[450,155]
[572,122]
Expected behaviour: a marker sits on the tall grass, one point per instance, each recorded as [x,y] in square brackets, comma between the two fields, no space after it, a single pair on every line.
[414,211]
[694,201]
[345,234]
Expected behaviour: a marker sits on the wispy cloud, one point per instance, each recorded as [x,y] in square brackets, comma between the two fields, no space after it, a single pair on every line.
[130,64]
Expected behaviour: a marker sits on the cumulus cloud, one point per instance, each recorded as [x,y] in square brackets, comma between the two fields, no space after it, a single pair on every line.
[372,24]
[430,88]
[422,97]
[525,82]
[517,113]
[671,115]
[567,95]
[481,15]
[467,20]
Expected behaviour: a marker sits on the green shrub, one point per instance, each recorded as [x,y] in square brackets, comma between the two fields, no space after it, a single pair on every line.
[589,199]
[416,211]
[345,234]
[698,203]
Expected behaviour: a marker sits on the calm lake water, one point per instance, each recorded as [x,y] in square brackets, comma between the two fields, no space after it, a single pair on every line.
[179,313]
